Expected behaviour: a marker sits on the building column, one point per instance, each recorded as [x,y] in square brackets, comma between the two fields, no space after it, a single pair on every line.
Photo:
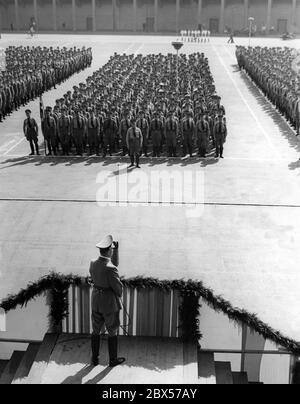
[199,13]
[155,15]
[74,14]
[294,16]
[269,15]
[17,15]
[114,11]
[177,16]
[222,17]
[35,13]
[54,15]
[134,15]
[94,15]
[246,11]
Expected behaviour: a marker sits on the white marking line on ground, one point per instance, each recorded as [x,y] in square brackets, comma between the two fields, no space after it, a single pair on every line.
[13,147]
[143,158]
[127,49]
[246,102]
[230,54]
[139,50]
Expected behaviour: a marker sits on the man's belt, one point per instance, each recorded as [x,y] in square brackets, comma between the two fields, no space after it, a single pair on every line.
[99,289]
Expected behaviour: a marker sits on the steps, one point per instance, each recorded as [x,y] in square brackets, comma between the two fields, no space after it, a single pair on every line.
[65,359]
[206,368]
[3,364]
[223,373]
[11,368]
[25,366]
[41,360]
[240,378]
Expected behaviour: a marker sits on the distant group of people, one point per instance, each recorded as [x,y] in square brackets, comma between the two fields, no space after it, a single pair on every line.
[135,105]
[30,71]
[272,70]
[198,35]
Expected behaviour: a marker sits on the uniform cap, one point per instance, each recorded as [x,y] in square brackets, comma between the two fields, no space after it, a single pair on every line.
[106,242]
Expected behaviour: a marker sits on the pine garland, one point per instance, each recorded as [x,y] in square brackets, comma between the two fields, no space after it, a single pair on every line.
[190,291]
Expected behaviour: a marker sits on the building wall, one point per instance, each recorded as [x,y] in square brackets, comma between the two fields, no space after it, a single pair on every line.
[210,10]
[7,14]
[166,18]
[64,20]
[258,10]
[235,14]
[26,13]
[83,14]
[45,15]
[145,10]
[281,10]
[104,15]
[124,15]
[188,18]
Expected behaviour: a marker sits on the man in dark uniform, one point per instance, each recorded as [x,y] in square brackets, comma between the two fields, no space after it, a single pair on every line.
[172,130]
[220,133]
[202,136]
[187,131]
[110,130]
[49,130]
[156,131]
[93,128]
[31,132]
[106,296]
[64,131]
[143,124]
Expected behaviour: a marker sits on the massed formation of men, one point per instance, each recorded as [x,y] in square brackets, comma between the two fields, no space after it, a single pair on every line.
[272,70]
[140,92]
[191,35]
[32,70]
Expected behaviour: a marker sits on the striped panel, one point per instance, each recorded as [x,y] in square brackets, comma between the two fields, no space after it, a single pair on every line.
[145,312]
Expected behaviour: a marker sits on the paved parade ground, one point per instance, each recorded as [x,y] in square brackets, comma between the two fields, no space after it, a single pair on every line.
[241,238]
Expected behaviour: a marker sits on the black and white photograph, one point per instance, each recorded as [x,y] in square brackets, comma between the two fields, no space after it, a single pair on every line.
[149,195]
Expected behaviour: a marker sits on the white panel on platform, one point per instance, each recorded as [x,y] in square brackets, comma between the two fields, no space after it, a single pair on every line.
[218,331]
[234,359]
[27,323]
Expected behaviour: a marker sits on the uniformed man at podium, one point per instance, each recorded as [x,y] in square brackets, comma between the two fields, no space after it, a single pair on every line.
[106,300]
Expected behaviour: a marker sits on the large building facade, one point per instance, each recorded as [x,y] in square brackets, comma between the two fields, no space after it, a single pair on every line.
[275,16]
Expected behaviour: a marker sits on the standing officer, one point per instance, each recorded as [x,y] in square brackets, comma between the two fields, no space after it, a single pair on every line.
[134,140]
[220,133]
[50,131]
[124,126]
[31,132]
[106,296]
